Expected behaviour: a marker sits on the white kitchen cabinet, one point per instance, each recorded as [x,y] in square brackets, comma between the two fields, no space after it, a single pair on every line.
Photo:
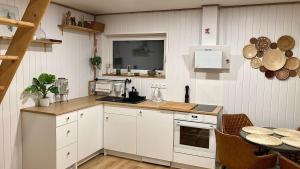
[120,129]
[90,131]
[155,134]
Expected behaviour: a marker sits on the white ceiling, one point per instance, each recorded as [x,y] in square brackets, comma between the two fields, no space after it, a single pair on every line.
[123,6]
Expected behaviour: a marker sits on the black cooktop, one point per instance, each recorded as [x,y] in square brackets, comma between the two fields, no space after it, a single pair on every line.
[205,108]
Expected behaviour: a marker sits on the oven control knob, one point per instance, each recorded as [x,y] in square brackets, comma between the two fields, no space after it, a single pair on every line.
[194,116]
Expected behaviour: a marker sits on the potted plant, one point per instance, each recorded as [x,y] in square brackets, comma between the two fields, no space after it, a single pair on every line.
[96,62]
[41,86]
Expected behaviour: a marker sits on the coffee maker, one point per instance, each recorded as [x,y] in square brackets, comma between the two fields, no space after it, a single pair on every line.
[63,89]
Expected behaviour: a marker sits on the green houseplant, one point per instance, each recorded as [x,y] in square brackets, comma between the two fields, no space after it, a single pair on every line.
[96,62]
[41,86]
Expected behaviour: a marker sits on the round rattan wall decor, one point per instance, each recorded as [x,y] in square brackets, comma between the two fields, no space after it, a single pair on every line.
[273,58]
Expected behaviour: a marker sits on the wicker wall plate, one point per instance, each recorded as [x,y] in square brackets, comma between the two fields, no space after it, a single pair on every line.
[289,53]
[298,71]
[285,43]
[273,45]
[269,74]
[257,130]
[264,139]
[262,69]
[293,73]
[263,43]
[282,74]
[286,132]
[292,63]
[253,40]
[274,59]
[249,51]
[256,63]
[292,141]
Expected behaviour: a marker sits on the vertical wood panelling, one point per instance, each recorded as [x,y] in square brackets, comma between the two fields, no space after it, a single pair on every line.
[266,102]
[69,60]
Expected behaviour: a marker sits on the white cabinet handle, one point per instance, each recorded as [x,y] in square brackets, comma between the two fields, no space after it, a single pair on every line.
[68,118]
[68,132]
[141,113]
[68,153]
[106,118]
[81,115]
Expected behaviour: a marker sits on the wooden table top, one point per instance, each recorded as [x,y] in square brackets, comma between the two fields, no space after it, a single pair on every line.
[90,101]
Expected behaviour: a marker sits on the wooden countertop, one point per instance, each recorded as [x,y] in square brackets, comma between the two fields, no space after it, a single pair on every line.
[90,101]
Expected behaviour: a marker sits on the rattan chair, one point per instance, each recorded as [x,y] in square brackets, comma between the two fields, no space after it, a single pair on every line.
[234,153]
[298,129]
[233,123]
[285,163]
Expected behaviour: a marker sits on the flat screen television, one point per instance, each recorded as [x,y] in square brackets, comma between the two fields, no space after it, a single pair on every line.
[140,54]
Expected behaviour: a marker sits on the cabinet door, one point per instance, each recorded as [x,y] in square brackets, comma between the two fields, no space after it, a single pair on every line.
[90,131]
[155,134]
[120,133]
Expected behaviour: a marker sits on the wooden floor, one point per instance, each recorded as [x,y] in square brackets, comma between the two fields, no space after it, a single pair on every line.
[110,162]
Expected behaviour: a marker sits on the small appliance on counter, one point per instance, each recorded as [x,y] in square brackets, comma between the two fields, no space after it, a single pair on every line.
[63,89]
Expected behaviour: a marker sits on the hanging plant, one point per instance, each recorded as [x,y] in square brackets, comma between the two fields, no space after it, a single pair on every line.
[96,61]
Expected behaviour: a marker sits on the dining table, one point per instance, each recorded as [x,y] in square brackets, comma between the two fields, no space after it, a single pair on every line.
[292,152]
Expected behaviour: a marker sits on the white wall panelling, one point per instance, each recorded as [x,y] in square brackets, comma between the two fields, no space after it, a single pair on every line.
[266,102]
[70,60]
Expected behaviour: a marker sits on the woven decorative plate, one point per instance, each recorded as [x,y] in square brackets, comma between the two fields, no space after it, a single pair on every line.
[287,132]
[289,53]
[274,59]
[263,69]
[256,63]
[269,74]
[285,43]
[292,63]
[282,74]
[257,130]
[264,139]
[293,73]
[249,51]
[253,40]
[260,54]
[273,45]
[291,141]
[298,71]
[263,43]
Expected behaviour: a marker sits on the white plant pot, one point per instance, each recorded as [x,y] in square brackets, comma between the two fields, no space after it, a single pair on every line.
[44,102]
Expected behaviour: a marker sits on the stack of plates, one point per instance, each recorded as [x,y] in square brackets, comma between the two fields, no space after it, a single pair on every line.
[264,139]
[257,130]
[287,132]
[292,141]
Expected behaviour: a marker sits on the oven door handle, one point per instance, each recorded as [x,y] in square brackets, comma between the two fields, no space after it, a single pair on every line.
[197,125]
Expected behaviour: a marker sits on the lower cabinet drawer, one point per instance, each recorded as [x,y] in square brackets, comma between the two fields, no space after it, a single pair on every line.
[66,135]
[66,157]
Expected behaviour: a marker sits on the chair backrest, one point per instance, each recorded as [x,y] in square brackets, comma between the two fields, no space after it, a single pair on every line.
[233,152]
[298,129]
[233,123]
[285,163]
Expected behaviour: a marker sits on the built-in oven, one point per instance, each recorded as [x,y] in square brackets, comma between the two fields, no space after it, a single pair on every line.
[194,135]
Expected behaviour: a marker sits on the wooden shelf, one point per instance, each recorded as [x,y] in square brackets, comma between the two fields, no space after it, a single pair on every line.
[41,41]
[13,22]
[81,29]
[140,76]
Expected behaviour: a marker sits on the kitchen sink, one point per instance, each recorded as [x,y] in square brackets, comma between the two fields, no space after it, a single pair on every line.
[122,99]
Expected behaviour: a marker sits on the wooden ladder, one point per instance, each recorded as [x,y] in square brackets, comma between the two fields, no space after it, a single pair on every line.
[20,42]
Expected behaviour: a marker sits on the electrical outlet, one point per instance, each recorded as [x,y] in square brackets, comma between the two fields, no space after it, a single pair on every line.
[163,86]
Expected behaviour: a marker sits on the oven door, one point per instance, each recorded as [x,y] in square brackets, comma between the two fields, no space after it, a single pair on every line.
[195,138]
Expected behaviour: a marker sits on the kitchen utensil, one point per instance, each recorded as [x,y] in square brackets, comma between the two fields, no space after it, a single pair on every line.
[151,73]
[292,63]
[293,73]
[264,139]
[260,54]
[249,51]
[273,45]
[63,88]
[257,130]
[253,40]
[285,43]
[262,69]
[289,53]
[292,141]
[286,132]
[263,43]
[269,74]
[282,74]
[274,59]
[256,63]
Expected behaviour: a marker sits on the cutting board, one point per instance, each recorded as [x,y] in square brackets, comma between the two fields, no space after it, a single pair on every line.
[177,106]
